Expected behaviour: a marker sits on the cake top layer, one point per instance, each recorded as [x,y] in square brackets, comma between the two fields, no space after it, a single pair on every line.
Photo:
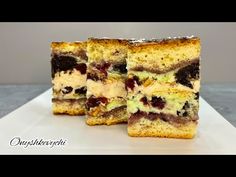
[108,41]
[166,42]
[105,49]
[68,47]
[161,56]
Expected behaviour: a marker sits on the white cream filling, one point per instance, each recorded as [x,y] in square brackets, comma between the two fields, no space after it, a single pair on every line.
[74,80]
[116,88]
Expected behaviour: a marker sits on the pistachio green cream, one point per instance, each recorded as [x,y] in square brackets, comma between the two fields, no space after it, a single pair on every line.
[115,103]
[174,102]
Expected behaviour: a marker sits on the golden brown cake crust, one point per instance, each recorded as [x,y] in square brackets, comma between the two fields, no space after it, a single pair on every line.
[69,106]
[108,41]
[109,50]
[164,55]
[163,43]
[105,121]
[173,67]
[70,48]
[70,112]
[108,119]
[160,128]
[67,45]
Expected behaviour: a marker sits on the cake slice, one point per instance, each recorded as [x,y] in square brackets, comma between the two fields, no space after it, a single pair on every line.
[163,87]
[106,74]
[68,67]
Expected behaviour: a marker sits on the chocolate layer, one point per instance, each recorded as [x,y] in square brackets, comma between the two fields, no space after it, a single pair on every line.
[165,117]
[158,71]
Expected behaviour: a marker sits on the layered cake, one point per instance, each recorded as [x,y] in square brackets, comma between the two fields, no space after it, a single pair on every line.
[68,67]
[163,87]
[106,74]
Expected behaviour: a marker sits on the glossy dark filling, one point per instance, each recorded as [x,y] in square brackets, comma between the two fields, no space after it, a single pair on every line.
[157,102]
[184,111]
[62,63]
[81,90]
[82,67]
[65,63]
[67,90]
[121,68]
[197,95]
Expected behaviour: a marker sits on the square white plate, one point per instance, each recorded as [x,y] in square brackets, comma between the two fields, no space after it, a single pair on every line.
[35,120]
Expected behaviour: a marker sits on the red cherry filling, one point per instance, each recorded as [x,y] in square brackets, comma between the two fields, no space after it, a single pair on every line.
[144,100]
[102,67]
[93,102]
[82,67]
[158,102]
[130,83]
[92,76]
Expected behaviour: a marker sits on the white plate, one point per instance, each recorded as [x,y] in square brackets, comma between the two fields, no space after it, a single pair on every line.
[34,120]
